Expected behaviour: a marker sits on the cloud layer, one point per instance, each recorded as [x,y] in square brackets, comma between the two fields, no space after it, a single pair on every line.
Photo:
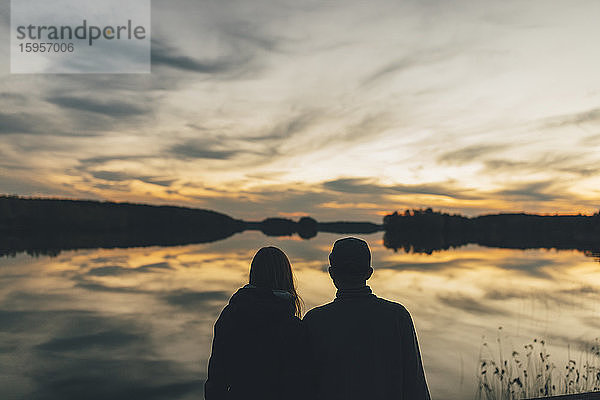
[335,110]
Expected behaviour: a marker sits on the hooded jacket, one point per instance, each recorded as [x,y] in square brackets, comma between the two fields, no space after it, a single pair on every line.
[258,348]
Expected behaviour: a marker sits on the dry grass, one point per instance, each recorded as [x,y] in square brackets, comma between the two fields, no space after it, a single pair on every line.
[531,372]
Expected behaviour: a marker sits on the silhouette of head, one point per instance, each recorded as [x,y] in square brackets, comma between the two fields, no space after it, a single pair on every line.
[350,263]
[271,269]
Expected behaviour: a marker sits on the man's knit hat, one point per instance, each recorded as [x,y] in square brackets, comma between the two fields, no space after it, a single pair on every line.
[350,256]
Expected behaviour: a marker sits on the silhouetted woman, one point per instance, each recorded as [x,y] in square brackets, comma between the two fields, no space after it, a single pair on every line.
[258,344]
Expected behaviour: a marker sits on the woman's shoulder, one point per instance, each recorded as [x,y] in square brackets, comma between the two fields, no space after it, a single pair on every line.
[225,315]
[292,330]
[293,324]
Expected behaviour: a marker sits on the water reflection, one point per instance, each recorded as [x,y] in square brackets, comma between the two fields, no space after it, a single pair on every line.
[137,323]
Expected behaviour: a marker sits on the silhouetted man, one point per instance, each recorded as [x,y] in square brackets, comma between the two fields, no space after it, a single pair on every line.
[363,347]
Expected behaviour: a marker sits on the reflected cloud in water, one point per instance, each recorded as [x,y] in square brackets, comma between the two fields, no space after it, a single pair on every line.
[137,323]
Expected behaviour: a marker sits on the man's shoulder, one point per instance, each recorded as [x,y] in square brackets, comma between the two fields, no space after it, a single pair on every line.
[392,306]
[317,312]
[324,310]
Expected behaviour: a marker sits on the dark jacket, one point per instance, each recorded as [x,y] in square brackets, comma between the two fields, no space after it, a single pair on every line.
[364,347]
[258,348]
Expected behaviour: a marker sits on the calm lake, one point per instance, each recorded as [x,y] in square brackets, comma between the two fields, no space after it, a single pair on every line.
[137,323]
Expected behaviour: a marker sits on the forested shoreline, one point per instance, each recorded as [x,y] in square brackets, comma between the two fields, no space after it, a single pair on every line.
[46,226]
[426,231]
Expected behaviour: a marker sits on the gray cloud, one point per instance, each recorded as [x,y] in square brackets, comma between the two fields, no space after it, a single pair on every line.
[531,191]
[13,97]
[264,146]
[581,290]
[116,270]
[115,187]
[356,185]
[288,128]
[70,111]
[594,324]
[368,128]
[194,151]
[111,176]
[194,301]
[96,378]
[98,287]
[111,270]
[416,59]
[241,45]
[288,134]
[367,186]
[99,173]
[588,116]
[531,267]
[571,296]
[214,148]
[583,171]
[101,160]
[158,181]
[470,304]
[102,260]
[106,340]
[19,123]
[574,344]
[86,354]
[99,168]
[570,163]
[15,321]
[270,201]
[112,108]
[164,55]
[428,266]
[471,153]
[507,165]
[153,267]
[19,299]
[591,140]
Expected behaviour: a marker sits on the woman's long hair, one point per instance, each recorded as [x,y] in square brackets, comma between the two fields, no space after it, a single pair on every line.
[271,269]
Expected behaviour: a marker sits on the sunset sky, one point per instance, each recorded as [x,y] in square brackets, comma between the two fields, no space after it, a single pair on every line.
[346,109]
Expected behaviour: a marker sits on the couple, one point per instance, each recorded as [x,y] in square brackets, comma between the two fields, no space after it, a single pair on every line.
[356,347]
